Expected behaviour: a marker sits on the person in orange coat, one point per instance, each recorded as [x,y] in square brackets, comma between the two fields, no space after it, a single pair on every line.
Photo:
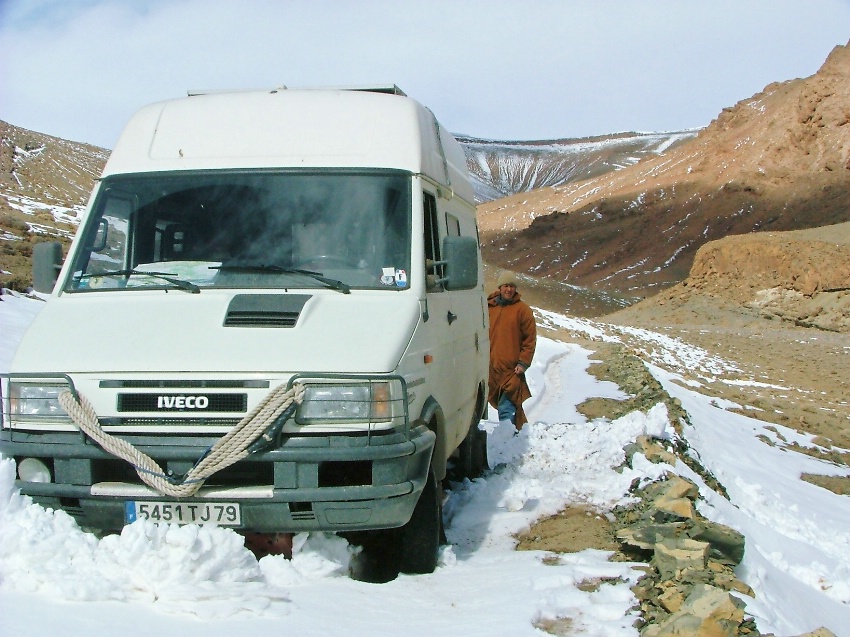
[513,338]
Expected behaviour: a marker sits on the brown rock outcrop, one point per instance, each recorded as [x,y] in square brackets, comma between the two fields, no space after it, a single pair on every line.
[802,277]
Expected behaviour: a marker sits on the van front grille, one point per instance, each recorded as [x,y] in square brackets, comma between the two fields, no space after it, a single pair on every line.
[238,474]
[178,402]
[150,383]
[170,422]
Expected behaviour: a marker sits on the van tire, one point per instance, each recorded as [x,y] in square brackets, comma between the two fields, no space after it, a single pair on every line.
[480,462]
[420,537]
[473,452]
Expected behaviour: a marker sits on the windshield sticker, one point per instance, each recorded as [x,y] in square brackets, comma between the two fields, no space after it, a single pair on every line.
[97,282]
[388,276]
[400,278]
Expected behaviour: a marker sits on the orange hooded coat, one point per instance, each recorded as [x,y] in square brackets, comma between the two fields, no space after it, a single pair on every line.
[513,338]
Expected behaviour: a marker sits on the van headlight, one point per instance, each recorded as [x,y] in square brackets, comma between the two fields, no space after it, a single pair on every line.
[33,403]
[367,401]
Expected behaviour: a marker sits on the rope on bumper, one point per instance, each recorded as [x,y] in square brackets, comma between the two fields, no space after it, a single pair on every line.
[228,449]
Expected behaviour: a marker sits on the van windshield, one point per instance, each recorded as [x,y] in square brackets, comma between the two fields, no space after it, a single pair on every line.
[231,229]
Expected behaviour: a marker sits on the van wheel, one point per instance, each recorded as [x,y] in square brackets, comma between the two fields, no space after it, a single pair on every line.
[473,452]
[412,548]
[420,537]
[480,462]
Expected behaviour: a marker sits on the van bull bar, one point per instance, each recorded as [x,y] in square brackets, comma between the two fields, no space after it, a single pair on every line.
[373,481]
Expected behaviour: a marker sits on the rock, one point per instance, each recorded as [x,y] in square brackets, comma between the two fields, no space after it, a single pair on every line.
[729,582]
[675,555]
[672,599]
[654,452]
[677,507]
[727,545]
[707,612]
[646,536]
[671,487]
[630,450]
[686,592]
[676,487]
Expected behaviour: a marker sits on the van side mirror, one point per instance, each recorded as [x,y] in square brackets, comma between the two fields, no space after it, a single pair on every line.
[461,259]
[46,263]
[100,237]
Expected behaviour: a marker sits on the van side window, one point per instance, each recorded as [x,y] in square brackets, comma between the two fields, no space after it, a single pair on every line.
[432,242]
[452,225]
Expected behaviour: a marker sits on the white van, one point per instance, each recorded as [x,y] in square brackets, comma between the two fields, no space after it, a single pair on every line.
[240,242]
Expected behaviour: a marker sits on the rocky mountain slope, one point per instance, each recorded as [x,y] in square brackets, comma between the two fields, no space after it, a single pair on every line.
[45,181]
[777,161]
[500,169]
[44,185]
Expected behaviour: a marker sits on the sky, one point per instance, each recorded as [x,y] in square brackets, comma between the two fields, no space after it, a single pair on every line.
[164,581]
[497,69]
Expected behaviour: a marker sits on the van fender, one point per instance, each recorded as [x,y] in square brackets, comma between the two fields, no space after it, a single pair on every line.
[432,416]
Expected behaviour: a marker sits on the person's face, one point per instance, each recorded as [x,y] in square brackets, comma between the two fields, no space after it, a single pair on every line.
[507,291]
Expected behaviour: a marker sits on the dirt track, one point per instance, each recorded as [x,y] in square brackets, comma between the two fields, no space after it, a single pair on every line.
[805,371]
[801,380]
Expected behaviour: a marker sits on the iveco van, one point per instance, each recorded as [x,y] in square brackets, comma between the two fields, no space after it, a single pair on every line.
[241,242]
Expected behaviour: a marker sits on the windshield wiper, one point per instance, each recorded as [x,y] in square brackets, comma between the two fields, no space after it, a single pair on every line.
[180,284]
[269,268]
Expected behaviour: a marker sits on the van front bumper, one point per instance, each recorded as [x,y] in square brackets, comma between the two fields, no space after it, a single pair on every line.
[309,483]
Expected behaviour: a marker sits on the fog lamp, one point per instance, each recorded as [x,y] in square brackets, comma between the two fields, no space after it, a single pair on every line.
[33,470]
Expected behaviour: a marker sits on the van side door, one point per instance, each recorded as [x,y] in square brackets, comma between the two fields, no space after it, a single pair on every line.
[445,325]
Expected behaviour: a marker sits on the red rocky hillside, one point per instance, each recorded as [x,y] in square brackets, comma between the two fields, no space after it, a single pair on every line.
[777,161]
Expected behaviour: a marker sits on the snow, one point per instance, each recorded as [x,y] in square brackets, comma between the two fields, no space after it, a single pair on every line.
[500,168]
[61,214]
[169,580]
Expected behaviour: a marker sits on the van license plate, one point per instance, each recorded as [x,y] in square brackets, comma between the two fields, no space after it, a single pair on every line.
[220,513]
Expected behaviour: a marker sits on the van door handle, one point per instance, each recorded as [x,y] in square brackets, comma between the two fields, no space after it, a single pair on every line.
[451,318]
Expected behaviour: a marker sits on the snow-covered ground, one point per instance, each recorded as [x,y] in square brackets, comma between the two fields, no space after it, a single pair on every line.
[159,580]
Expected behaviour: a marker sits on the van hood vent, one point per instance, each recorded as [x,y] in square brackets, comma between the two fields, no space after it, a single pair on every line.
[265,310]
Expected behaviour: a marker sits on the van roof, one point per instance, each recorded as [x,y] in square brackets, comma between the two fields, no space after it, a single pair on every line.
[390,89]
[292,128]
